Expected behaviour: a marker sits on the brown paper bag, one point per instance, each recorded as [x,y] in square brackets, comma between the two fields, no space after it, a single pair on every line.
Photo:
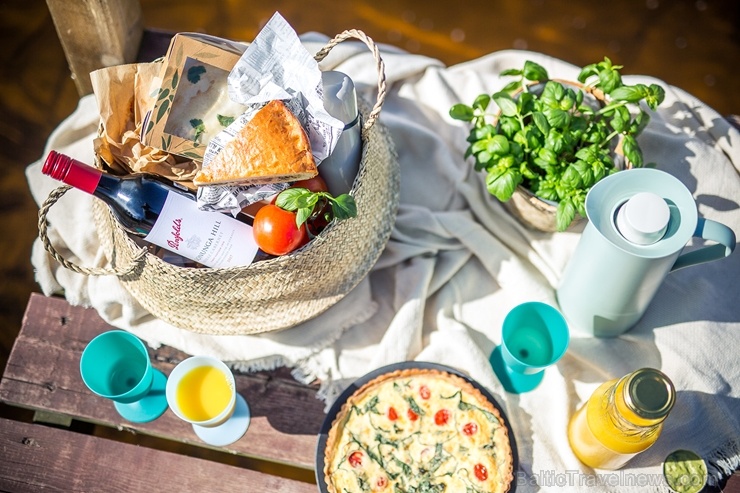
[124,94]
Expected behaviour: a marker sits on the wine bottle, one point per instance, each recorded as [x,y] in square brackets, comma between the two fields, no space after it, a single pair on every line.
[151,207]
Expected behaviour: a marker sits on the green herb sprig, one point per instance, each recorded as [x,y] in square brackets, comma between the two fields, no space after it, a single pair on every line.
[304,203]
[550,140]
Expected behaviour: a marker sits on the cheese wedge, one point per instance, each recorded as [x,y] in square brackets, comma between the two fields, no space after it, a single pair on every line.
[271,148]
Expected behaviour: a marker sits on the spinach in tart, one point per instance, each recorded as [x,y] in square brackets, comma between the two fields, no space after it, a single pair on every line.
[418,430]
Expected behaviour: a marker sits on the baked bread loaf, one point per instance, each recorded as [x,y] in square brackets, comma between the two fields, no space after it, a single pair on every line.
[418,430]
[271,148]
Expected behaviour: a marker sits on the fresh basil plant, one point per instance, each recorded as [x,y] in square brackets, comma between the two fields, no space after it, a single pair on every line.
[550,140]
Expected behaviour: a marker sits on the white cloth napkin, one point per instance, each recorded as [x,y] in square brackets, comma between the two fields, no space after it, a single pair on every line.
[457,263]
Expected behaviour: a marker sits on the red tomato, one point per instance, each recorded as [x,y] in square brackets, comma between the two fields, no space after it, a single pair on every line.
[470,428]
[355,458]
[442,417]
[392,414]
[315,184]
[412,415]
[381,482]
[480,472]
[275,231]
[424,392]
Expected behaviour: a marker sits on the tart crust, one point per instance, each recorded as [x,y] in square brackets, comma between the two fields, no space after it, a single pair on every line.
[449,434]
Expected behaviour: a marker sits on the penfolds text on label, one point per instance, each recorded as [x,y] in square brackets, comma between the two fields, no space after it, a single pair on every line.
[176,238]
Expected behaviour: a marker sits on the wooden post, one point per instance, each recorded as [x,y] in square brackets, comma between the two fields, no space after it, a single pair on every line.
[96,34]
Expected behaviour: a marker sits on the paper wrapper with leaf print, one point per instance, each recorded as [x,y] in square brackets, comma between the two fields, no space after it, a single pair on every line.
[125,94]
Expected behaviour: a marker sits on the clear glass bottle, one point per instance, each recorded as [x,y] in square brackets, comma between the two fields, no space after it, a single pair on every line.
[622,418]
[153,208]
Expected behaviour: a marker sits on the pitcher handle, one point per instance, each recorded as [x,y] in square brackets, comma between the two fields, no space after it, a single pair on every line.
[712,231]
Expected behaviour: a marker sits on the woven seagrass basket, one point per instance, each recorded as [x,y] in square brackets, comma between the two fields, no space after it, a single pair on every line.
[271,294]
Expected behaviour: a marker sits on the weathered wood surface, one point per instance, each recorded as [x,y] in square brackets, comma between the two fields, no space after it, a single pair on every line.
[43,374]
[96,34]
[40,458]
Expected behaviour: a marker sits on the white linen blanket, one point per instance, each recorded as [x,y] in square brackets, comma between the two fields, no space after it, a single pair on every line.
[457,263]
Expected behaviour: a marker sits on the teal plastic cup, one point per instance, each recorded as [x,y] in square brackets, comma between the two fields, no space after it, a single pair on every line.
[115,365]
[534,336]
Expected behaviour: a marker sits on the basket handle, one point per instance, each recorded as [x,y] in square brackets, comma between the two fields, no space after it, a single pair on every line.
[354,33]
[53,197]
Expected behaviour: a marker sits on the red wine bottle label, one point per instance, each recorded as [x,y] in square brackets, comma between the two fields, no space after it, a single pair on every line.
[210,238]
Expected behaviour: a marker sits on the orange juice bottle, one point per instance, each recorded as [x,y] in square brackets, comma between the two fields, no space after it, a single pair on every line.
[622,418]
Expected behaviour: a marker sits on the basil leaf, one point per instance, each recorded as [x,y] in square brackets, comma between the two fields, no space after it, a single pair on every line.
[506,103]
[302,215]
[584,171]
[617,122]
[511,71]
[502,184]
[512,86]
[498,145]
[533,71]
[462,112]
[655,96]
[565,214]
[509,126]
[289,199]
[482,101]
[587,72]
[555,142]
[632,151]
[598,170]
[344,207]
[639,123]
[631,94]
[540,122]
[557,118]
[571,178]
[609,80]
[547,155]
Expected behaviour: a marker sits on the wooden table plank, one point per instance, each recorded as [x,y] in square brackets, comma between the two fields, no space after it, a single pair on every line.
[43,374]
[40,458]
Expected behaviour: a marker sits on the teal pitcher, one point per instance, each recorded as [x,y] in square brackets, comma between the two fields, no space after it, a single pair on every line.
[639,222]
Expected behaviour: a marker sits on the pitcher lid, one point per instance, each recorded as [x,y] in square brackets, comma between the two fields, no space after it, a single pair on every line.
[609,195]
[643,219]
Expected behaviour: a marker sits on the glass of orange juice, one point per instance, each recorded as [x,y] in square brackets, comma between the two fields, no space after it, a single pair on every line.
[201,390]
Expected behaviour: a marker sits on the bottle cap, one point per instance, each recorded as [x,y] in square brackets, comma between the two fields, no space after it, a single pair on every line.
[643,219]
[72,172]
[56,165]
[649,393]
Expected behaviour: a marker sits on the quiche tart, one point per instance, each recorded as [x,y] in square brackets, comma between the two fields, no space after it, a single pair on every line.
[418,430]
[271,148]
